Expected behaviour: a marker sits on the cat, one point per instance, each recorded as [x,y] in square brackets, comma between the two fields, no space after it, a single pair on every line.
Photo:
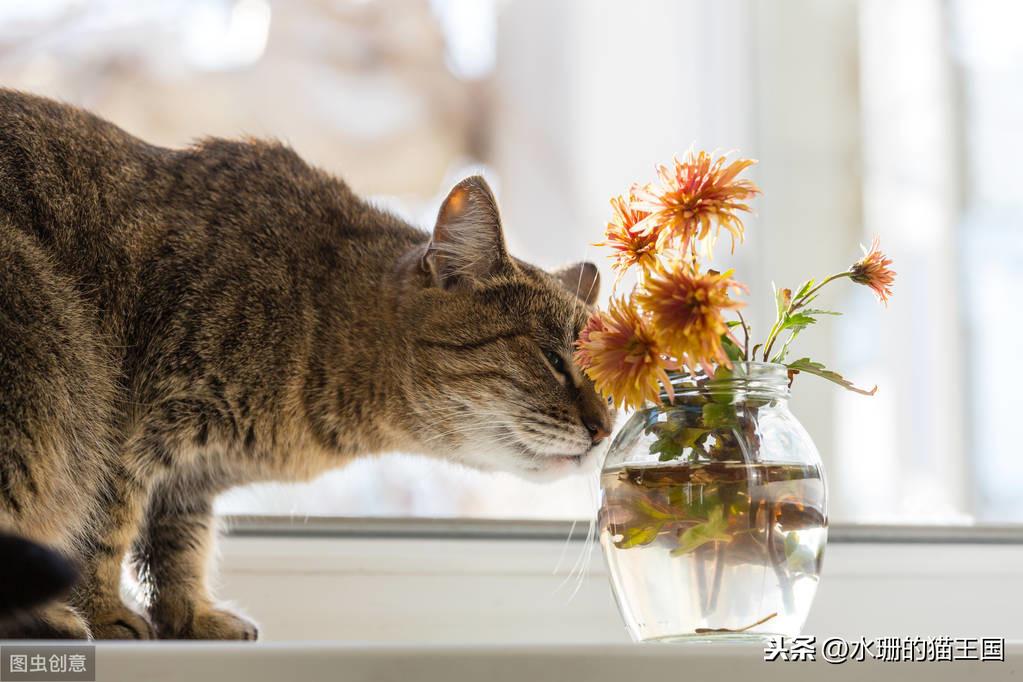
[176,322]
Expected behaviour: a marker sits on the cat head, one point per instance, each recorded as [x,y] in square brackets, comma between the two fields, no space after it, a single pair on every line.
[492,347]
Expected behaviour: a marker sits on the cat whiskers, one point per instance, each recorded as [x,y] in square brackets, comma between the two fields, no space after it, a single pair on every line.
[506,426]
[469,429]
[576,300]
[566,431]
[584,559]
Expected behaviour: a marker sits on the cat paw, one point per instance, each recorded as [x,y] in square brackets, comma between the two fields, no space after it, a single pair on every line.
[66,623]
[212,623]
[122,623]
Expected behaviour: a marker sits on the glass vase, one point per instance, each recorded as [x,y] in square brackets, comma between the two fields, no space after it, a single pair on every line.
[713,514]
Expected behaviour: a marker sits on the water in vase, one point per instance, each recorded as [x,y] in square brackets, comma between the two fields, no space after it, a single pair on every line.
[714,549]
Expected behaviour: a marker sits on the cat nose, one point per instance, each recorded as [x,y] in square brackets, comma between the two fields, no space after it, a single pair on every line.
[598,431]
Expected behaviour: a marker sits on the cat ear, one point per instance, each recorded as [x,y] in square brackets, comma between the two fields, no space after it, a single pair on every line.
[467,242]
[582,279]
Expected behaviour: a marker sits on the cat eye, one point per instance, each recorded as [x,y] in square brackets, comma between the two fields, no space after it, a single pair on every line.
[556,361]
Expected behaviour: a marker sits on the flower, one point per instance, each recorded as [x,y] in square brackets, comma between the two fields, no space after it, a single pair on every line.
[694,195]
[631,248]
[617,350]
[687,311]
[873,270]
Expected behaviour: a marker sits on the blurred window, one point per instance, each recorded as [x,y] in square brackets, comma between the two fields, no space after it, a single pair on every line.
[896,118]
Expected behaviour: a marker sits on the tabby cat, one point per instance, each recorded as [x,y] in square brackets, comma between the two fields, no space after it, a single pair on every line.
[177,322]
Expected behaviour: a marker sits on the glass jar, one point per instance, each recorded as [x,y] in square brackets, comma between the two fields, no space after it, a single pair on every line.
[713,514]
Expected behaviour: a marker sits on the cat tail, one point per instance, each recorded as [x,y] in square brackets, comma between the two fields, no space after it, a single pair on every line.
[31,575]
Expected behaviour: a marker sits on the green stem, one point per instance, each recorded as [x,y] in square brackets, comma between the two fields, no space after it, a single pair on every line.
[804,299]
[794,306]
[775,330]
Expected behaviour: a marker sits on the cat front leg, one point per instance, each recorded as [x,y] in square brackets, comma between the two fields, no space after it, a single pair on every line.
[97,595]
[155,449]
[172,557]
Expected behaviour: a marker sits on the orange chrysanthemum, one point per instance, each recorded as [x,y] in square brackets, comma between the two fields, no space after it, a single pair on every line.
[697,194]
[617,350]
[631,248]
[687,311]
[873,270]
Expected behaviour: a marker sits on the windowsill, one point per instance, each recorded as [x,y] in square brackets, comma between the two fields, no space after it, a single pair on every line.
[460,583]
[515,529]
[457,600]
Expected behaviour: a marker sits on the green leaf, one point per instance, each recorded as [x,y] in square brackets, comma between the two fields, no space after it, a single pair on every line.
[666,450]
[732,349]
[721,389]
[798,557]
[810,367]
[803,289]
[718,415]
[689,436]
[638,535]
[798,321]
[791,543]
[714,529]
[794,323]
[645,507]
[803,560]
[673,442]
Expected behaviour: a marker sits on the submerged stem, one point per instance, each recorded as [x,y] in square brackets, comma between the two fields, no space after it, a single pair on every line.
[703,631]
[719,569]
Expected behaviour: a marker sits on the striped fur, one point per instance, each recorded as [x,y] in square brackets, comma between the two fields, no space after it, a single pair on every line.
[177,322]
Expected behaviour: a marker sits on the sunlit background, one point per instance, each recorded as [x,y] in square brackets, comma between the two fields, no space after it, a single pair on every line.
[898,118]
